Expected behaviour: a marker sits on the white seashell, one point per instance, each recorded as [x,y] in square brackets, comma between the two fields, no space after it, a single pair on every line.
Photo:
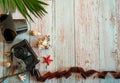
[22,77]
[7,64]
[39,33]
[35,33]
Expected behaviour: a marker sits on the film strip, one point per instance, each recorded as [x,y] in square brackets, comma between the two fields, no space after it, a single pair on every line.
[78,70]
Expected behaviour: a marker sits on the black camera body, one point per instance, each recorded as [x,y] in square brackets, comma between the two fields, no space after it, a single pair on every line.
[23,51]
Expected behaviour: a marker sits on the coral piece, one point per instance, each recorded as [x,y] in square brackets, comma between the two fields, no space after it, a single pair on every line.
[43,43]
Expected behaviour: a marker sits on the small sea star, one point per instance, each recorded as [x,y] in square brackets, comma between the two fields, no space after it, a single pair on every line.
[47,60]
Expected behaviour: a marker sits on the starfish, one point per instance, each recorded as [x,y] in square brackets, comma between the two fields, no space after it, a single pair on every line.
[47,60]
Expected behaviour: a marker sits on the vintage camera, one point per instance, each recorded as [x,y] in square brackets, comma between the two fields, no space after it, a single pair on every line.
[23,51]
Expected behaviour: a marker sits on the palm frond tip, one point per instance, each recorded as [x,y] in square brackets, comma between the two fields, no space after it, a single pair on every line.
[35,7]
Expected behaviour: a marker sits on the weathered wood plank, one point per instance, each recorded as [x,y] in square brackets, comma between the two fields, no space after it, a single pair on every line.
[7,49]
[1,10]
[45,26]
[108,34]
[118,39]
[64,37]
[87,37]
[118,35]
[17,15]
[92,29]
[1,53]
[1,56]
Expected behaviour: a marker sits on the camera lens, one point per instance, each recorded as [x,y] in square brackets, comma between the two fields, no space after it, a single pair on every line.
[20,52]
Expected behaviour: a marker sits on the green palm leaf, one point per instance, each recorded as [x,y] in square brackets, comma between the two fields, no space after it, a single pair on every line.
[25,6]
[13,4]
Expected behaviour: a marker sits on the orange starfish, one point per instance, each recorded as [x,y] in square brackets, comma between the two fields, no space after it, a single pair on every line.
[47,60]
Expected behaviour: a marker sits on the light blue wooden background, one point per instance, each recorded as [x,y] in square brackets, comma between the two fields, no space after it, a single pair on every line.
[83,33]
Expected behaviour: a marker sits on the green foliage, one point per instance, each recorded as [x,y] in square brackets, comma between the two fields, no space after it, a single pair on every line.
[25,7]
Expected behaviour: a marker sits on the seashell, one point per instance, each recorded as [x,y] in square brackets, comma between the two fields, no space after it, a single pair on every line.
[6,64]
[22,77]
[35,33]
[43,43]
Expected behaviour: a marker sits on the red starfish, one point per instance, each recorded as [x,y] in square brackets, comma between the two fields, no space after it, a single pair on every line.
[47,60]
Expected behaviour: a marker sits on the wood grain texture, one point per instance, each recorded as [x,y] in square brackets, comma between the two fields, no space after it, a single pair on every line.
[64,37]
[17,15]
[108,34]
[1,53]
[118,20]
[83,33]
[1,56]
[87,36]
[118,35]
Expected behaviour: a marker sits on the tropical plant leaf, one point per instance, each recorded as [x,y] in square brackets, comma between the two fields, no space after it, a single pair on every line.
[13,4]
[43,3]
[30,7]
[6,5]
[25,7]
[2,4]
[22,9]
